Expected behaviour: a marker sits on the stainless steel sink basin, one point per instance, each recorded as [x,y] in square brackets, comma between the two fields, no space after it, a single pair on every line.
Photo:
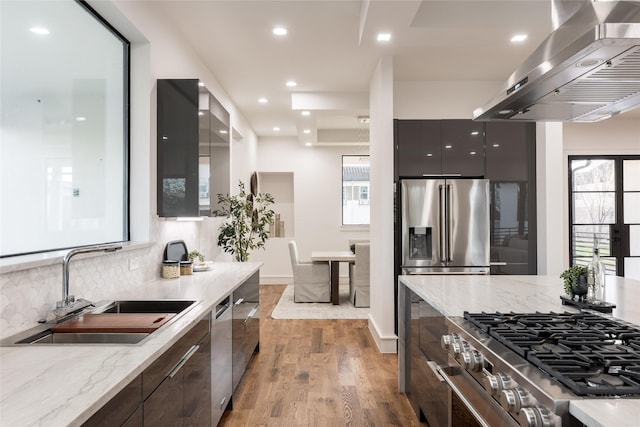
[49,337]
[144,306]
[43,335]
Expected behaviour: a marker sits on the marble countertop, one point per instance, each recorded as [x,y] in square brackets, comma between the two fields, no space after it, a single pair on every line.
[454,294]
[63,385]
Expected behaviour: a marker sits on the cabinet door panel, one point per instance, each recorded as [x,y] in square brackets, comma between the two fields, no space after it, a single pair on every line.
[164,406]
[118,409]
[463,148]
[507,149]
[418,143]
[178,147]
[197,386]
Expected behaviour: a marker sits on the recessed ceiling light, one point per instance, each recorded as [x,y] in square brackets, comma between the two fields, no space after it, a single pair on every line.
[200,113]
[518,38]
[429,155]
[263,100]
[276,128]
[473,153]
[496,145]
[307,131]
[308,144]
[200,84]
[305,113]
[80,119]
[164,138]
[291,83]
[448,146]
[475,132]
[224,131]
[39,30]
[280,31]
[383,37]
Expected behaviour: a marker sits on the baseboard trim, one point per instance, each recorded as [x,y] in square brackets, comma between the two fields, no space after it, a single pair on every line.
[385,344]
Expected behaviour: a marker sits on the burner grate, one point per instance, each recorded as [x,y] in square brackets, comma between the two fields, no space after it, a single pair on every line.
[588,353]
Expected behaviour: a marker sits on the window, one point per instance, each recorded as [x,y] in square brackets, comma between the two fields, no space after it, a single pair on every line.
[64,128]
[604,204]
[355,190]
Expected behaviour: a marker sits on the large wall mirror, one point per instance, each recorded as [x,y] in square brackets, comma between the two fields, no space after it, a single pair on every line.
[64,128]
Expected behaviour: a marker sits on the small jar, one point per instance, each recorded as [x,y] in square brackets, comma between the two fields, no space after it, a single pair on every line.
[186,268]
[170,269]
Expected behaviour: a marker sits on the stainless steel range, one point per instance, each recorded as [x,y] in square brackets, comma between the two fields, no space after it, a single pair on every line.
[524,369]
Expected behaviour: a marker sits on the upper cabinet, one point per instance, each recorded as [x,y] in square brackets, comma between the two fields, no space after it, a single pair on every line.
[193,149]
[439,147]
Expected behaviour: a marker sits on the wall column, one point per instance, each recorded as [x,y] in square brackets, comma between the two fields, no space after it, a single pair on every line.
[382,311]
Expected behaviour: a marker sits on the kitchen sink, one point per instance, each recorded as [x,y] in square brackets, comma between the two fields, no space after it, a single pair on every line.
[45,334]
[144,306]
[49,337]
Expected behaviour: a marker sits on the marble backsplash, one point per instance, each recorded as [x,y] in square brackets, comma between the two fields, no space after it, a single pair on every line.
[29,295]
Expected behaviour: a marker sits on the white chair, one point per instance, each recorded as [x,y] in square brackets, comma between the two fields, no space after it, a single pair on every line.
[359,277]
[311,280]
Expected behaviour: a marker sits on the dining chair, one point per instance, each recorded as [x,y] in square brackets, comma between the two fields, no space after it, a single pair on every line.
[359,276]
[311,280]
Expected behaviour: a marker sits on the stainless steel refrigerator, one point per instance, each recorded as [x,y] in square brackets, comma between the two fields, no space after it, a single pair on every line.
[445,226]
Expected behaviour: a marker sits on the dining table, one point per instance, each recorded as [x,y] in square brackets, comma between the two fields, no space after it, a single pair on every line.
[334,258]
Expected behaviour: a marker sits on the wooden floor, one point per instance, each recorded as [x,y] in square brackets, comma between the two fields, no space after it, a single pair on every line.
[317,373]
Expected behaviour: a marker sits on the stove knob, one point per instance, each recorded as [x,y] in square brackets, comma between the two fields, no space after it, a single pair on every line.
[447,340]
[473,360]
[498,382]
[514,399]
[535,417]
[457,348]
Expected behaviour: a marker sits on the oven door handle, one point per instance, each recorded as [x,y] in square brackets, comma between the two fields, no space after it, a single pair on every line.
[462,398]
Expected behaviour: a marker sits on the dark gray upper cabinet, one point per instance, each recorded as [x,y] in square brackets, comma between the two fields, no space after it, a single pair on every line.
[437,147]
[462,148]
[418,144]
[508,150]
[193,149]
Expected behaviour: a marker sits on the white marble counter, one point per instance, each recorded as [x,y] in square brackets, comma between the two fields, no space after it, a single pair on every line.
[58,385]
[454,294]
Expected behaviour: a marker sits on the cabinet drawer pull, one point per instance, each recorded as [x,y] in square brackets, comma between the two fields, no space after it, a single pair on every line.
[251,314]
[222,402]
[240,301]
[184,360]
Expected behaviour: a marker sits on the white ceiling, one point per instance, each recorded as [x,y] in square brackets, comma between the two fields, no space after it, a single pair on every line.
[331,51]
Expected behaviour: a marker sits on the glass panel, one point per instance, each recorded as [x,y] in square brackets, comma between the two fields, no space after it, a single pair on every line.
[631,208]
[593,175]
[583,236]
[634,240]
[632,268]
[631,175]
[594,208]
[355,176]
[63,130]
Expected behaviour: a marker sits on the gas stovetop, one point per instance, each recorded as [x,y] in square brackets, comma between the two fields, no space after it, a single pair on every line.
[590,354]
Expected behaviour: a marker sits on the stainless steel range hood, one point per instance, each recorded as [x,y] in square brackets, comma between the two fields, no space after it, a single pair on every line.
[588,69]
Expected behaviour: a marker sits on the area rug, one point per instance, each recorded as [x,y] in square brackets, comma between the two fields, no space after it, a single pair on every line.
[287,309]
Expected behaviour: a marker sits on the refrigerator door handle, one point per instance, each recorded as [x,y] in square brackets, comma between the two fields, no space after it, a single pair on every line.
[449,222]
[441,224]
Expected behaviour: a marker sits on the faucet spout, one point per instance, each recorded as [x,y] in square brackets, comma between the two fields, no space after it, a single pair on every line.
[67,301]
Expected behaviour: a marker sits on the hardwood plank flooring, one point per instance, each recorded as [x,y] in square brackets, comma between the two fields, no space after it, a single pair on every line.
[317,373]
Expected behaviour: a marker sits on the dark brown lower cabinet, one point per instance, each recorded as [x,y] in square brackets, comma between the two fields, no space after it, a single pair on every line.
[122,409]
[183,397]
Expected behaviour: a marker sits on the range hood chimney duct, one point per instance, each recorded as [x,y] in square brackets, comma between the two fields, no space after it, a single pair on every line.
[586,70]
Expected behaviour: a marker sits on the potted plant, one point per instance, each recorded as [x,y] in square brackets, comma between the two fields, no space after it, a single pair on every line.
[247,226]
[195,255]
[575,281]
